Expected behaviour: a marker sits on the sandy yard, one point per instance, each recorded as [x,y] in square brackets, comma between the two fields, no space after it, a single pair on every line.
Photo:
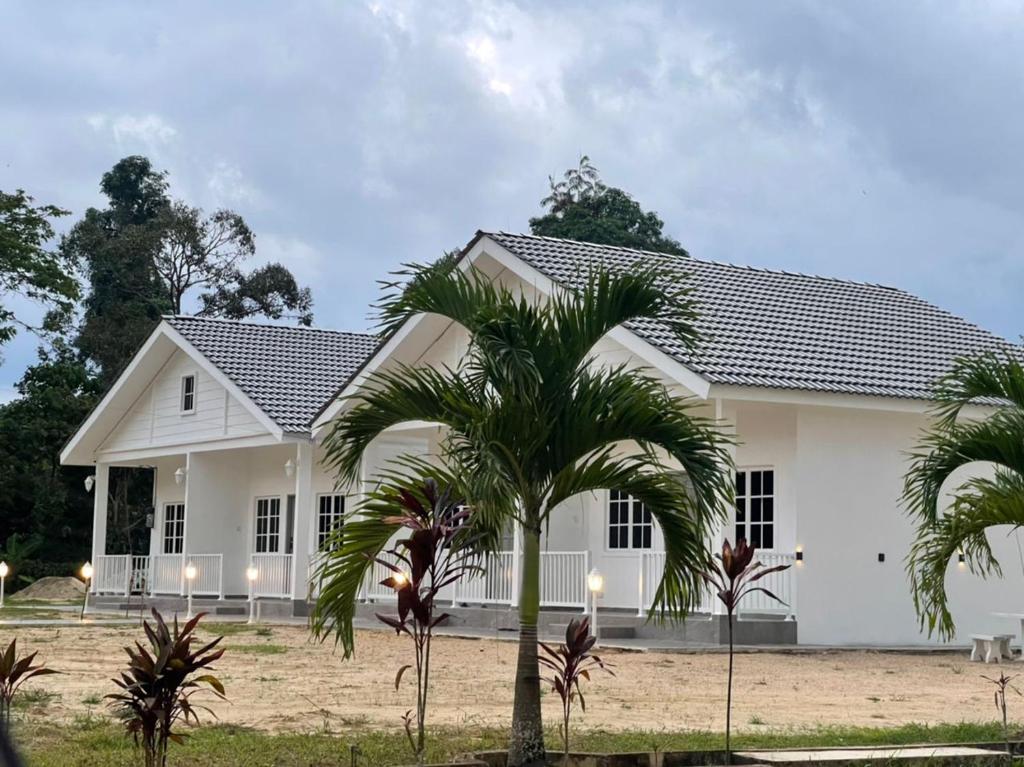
[284,682]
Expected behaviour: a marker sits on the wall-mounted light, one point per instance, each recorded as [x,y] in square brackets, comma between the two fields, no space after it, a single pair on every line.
[961,560]
[179,476]
[89,482]
[799,555]
[289,468]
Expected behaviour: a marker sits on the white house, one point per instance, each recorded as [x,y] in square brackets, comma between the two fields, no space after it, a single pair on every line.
[824,383]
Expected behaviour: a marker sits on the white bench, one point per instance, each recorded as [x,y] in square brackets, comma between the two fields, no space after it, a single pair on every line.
[991,647]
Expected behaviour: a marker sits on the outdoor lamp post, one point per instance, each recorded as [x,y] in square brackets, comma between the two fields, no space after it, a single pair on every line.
[595,582]
[87,577]
[251,574]
[190,576]
[4,569]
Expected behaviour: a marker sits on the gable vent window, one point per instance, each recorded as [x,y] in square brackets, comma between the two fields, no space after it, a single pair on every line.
[755,507]
[630,525]
[188,394]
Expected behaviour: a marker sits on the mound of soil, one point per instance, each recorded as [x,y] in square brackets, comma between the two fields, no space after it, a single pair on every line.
[52,589]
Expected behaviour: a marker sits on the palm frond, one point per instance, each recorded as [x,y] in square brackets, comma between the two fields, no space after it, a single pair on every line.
[994,376]
[998,439]
[980,503]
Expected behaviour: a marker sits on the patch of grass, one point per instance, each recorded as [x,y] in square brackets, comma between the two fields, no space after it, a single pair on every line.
[93,740]
[33,698]
[264,631]
[92,700]
[227,629]
[258,649]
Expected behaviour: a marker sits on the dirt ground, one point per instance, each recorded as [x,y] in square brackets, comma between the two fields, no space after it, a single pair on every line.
[283,682]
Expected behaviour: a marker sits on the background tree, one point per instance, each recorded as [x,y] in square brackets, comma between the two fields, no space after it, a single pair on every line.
[531,422]
[39,498]
[27,267]
[978,503]
[581,207]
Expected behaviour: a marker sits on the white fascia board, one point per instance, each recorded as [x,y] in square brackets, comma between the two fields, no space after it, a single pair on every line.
[135,457]
[67,455]
[835,399]
[255,410]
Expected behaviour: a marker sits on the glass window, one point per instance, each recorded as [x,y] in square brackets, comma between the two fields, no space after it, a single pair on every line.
[755,507]
[330,513]
[630,525]
[174,528]
[188,394]
[268,525]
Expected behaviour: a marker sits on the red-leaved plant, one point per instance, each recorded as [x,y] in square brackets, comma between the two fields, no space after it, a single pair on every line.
[14,672]
[570,663]
[733,574]
[157,688]
[437,553]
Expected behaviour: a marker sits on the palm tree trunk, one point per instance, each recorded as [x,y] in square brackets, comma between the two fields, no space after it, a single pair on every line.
[526,745]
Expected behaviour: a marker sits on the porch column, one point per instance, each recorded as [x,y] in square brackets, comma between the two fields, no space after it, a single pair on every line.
[101,489]
[301,547]
[725,416]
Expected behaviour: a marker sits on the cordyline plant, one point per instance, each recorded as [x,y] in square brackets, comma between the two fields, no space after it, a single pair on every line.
[157,689]
[14,672]
[439,551]
[569,663]
[733,574]
[1002,683]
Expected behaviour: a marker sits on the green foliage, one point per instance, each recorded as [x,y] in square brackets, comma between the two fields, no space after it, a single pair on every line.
[91,741]
[27,268]
[530,422]
[978,503]
[581,207]
[14,672]
[569,663]
[39,498]
[157,689]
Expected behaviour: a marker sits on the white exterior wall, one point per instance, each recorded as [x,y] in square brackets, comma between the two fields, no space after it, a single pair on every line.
[155,419]
[849,476]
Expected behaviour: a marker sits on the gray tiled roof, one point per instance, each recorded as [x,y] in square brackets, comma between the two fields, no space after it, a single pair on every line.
[788,331]
[289,372]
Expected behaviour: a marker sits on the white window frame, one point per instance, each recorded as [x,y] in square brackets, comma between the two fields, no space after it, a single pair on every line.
[178,534]
[631,525]
[193,394]
[747,497]
[278,534]
[334,518]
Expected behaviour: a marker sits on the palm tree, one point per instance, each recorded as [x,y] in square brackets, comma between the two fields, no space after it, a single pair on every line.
[531,422]
[995,379]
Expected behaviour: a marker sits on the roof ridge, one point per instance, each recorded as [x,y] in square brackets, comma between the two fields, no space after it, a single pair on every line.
[690,257]
[247,323]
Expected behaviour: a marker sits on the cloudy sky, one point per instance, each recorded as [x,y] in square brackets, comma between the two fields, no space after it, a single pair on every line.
[872,140]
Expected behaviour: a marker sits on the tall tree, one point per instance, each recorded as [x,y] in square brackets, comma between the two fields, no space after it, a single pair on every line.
[27,267]
[40,499]
[582,207]
[147,254]
[530,423]
[978,503]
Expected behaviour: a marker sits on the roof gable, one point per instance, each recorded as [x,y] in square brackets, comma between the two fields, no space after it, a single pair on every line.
[783,330]
[288,372]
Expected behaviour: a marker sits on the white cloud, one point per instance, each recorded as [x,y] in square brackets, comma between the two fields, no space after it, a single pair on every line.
[148,129]
[228,186]
[304,260]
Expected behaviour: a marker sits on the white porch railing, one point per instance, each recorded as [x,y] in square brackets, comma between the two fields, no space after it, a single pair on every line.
[167,574]
[563,579]
[209,580]
[138,577]
[492,585]
[274,575]
[110,573]
[782,584]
